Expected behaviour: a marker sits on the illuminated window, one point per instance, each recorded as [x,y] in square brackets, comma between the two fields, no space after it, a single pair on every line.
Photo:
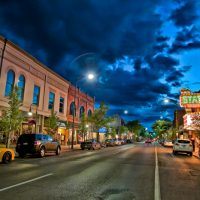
[10,82]
[51,100]
[36,95]
[21,87]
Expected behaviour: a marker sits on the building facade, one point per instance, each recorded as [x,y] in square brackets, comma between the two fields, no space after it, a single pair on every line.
[40,89]
[190,101]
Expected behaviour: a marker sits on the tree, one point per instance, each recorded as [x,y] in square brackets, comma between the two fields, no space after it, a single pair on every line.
[82,126]
[52,123]
[122,129]
[98,118]
[135,127]
[161,127]
[12,117]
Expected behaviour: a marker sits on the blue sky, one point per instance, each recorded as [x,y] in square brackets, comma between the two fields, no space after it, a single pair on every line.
[141,52]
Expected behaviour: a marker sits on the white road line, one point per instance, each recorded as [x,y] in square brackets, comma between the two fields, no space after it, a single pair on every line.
[157,181]
[25,182]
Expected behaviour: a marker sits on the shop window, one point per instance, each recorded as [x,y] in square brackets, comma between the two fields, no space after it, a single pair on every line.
[21,87]
[10,82]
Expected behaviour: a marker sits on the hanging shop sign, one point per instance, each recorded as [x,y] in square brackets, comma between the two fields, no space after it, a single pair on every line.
[189,99]
[192,121]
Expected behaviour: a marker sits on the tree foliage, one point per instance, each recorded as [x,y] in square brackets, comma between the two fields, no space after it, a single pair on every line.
[12,117]
[52,123]
[82,126]
[161,127]
[135,127]
[99,119]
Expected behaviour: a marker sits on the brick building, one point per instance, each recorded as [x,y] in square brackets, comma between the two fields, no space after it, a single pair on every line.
[40,90]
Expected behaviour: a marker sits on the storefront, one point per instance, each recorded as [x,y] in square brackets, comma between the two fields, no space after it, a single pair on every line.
[191,102]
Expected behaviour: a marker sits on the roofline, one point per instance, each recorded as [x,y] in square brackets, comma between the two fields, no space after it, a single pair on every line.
[33,59]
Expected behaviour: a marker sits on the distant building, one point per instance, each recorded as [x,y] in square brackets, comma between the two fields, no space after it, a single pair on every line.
[40,90]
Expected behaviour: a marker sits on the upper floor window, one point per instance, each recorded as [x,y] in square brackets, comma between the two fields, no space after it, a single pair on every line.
[36,95]
[21,87]
[89,113]
[61,107]
[51,100]
[10,82]
[82,110]
[72,109]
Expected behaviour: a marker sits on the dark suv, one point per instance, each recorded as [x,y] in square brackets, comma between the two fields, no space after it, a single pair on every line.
[37,144]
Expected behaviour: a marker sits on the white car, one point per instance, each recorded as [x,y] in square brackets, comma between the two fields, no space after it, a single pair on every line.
[182,146]
[168,143]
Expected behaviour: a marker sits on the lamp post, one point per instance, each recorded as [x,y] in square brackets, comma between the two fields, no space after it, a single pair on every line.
[90,76]
[30,113]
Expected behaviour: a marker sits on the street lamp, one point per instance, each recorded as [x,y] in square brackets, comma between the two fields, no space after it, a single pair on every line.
[90,76]
[126,112]
[30,114]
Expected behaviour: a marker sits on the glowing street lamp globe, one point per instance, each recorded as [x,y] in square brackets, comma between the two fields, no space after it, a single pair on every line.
[90,76]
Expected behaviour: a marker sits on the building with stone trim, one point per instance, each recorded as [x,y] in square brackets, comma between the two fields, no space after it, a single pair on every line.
[41,90]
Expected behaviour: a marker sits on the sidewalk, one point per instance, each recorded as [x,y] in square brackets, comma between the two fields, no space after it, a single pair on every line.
[66,148]
[195,153]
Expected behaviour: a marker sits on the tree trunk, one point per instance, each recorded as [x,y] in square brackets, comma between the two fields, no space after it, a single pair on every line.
[8,140]
[98,136]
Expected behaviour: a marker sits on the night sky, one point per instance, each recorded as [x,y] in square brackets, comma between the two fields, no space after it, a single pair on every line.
[141,51]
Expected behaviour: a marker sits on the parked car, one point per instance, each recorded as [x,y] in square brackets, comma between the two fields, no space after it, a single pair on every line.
[110,142]
[182,146]
[37,144]
[6,155]
[117,142]
[168,143]
[90,145]
[148,140]
[129,141]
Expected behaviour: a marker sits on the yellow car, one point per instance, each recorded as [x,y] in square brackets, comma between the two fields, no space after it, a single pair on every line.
[6,155]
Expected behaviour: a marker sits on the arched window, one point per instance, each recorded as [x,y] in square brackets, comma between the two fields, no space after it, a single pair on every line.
[82,110]
[72,109]
[10,82]
[89,113]
[21,87]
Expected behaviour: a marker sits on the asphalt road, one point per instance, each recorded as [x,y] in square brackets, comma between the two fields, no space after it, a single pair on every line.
[135,171]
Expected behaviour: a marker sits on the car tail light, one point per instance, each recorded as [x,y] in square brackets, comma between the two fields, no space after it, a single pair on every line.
[191,145]
[177,144]
[37,143]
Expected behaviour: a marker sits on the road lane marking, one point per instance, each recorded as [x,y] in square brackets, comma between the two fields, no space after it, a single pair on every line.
[157,181]
[25,182]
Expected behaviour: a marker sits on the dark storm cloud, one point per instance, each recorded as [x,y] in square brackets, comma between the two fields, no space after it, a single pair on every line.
[185,14]
[186,39]
[103,32]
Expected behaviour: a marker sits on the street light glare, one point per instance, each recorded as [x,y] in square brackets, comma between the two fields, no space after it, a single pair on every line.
[126,112]
[166,100]
[90,76]
[30,113]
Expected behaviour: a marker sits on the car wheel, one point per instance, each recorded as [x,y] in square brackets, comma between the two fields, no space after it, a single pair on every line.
[190,153]
[6,157]
[58,151]
[82,148]
[42,152]
[174,152]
